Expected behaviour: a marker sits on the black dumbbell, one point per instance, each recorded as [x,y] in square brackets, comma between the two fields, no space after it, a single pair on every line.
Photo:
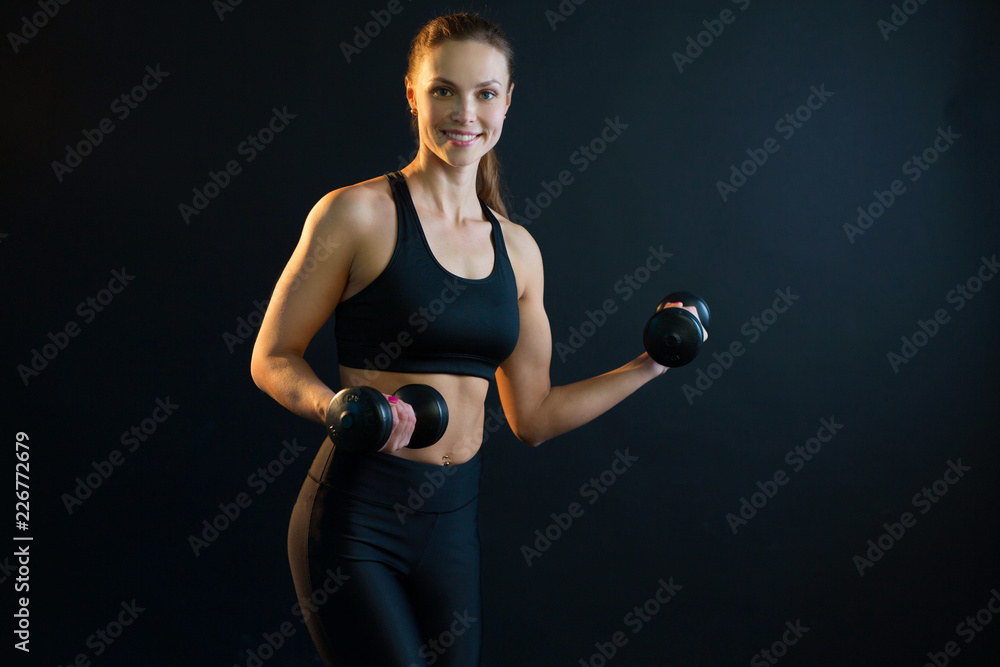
[359,419]
[673,336]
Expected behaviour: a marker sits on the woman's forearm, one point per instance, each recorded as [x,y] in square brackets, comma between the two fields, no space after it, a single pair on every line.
[568,406]
[289,380]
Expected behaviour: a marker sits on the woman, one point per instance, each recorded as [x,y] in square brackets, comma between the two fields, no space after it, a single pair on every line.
[430,284]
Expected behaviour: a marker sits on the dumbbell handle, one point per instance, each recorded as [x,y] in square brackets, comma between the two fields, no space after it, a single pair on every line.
[360,418]
[688,299]
[430,410]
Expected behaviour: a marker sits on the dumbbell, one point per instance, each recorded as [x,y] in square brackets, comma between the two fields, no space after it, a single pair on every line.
[359,419]
[673,336]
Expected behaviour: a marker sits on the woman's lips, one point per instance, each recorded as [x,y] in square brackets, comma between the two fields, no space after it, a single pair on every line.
[461,138]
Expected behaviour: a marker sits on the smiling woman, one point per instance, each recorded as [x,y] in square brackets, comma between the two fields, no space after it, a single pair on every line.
[431,284]
[433,97]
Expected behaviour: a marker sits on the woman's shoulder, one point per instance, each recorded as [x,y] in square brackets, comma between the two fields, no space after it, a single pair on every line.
[359,207]
[517,238]
[359,201]
[522,251]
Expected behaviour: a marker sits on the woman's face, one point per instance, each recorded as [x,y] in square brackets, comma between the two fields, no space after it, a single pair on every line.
[461,96]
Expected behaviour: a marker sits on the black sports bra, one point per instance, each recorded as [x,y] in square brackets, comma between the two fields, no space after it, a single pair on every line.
[417,317]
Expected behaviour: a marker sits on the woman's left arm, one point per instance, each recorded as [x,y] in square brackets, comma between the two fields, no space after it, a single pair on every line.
[535,410]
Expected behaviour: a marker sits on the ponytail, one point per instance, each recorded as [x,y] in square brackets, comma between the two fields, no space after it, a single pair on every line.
[488,182]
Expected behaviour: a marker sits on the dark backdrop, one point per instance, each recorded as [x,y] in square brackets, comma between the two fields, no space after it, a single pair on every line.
[820,484]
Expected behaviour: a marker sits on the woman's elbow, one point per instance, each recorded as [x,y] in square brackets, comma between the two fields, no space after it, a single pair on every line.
[257,375]
[527,435]
[259,367]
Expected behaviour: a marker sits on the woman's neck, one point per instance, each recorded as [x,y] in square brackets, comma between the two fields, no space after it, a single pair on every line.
[448,190]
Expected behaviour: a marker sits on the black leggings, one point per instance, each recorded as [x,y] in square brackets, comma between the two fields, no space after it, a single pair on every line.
[385,558]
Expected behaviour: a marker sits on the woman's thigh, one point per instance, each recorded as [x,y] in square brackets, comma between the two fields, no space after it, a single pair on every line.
[369,619]
[446,590]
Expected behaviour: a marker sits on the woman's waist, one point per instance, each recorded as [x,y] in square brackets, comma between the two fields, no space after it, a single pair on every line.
[456,446]
[398,480]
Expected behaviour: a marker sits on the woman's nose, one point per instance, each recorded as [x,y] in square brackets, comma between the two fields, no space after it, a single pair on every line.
[464,110]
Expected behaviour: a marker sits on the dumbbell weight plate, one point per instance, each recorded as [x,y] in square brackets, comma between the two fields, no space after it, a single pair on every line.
[430,410]
[673,337]
[359,419]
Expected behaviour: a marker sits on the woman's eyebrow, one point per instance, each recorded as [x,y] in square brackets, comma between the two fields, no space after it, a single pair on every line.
[440,79]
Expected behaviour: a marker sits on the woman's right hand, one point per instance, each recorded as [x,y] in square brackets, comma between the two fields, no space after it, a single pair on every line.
[403,422]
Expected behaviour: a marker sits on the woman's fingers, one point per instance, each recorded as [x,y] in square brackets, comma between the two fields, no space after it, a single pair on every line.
[693,311]
[403,421]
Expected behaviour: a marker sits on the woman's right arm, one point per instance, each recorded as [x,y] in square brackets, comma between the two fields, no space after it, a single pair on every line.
[306,294]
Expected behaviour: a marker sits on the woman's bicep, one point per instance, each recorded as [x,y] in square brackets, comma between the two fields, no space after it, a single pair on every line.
[313,280]
[523,378]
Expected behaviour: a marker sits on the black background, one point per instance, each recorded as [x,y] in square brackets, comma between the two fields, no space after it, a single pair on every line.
[826,357]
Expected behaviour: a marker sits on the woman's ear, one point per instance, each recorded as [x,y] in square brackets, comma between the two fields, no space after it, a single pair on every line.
[410,93]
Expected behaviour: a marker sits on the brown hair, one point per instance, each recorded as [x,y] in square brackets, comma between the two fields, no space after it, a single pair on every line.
[461,27]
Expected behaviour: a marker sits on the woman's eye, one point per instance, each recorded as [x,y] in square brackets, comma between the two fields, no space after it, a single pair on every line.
[445,92]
